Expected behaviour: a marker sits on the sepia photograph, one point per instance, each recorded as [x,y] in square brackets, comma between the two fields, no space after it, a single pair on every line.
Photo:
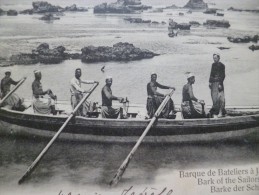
[129,97]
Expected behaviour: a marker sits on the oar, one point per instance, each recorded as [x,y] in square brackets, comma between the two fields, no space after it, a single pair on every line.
[125,163]
[43,152]
[12,91]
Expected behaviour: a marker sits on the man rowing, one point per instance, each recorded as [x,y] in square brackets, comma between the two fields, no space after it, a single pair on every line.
[107,97]
[43,101]
[155,98]
[13,102]
[217,77]
[191,106]
[77,93]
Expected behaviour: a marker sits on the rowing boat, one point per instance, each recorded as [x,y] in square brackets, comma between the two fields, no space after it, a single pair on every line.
[28,124]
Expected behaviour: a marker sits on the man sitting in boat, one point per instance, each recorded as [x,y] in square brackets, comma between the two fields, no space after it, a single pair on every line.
[191,106]
[13,102]
[77,93]
[107,110]
[43,101]
[155,98]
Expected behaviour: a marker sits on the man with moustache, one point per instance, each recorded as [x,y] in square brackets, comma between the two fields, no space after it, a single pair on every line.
[107,97]
[217,76]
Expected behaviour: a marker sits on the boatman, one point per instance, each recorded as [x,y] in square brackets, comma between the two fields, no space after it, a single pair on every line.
[13,102]
[107,97]
[77,93]
[217,76]
[155,98]
[43,101]
[191,106]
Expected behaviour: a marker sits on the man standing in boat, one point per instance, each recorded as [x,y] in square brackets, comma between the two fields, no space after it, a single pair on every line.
[77,93]
[13,102]
[217,76]
[107,110]
[155,98]
[42,104]
[191,106]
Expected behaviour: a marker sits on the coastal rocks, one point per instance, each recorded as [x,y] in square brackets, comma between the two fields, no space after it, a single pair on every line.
[244,39]
[43,7]
[217,23]
[24,59]
[196,4]
[181,26]
[74,8]
[43,55]
[121,7]
[172,7]
[49,17]
[210,11]
[245,10]
[27,11]
[119,52]
[254,47]
[141,21]
[194,23]
[12,12]
[2,12]
[137,20]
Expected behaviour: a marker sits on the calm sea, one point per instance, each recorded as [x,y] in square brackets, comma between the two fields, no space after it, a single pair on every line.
[87,168]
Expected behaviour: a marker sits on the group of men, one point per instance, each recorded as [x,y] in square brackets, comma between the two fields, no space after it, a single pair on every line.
[44,101]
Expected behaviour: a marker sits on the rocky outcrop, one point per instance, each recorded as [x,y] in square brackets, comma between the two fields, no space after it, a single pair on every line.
[172,7]
[217,23]
[254,47]
[194,23]
[141,21]
[42,54]
[45,7]
[2,12]
[118,52]
[243,10]
[12,12]
[244,39]
[210,11]
[196,4]
[49,17]
[137,20]
[219,14]
[175,26]
[27,11]
[74,8]
[121,7]
[4,62]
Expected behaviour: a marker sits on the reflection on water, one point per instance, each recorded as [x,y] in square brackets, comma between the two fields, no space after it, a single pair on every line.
[92,164]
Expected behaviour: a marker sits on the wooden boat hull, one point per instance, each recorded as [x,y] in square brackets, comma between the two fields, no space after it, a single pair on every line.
[128,130]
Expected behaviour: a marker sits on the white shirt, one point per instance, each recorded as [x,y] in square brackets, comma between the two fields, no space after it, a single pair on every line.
[76,85]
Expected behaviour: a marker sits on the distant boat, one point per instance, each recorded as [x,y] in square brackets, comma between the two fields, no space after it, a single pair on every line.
[28,124]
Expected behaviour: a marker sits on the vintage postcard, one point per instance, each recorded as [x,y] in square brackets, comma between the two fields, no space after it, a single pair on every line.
[129,97]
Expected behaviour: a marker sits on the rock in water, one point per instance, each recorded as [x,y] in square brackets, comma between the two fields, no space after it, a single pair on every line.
[244,39]
[217,23]
[119,52]
[254,47]
[44,6]
[196,4]
[121,7]
[49,17]
[12,12]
